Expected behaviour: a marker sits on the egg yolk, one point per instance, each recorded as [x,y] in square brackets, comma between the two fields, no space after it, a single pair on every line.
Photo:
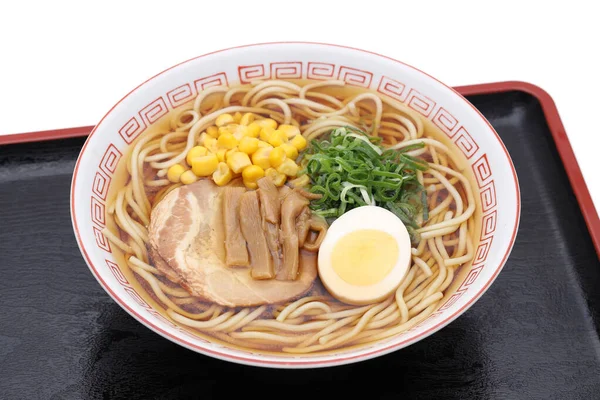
[364,257]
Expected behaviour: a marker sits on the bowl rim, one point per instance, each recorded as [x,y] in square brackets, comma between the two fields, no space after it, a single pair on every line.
[295,362]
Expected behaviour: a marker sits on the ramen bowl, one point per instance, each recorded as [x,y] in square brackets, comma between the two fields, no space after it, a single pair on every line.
[494,180]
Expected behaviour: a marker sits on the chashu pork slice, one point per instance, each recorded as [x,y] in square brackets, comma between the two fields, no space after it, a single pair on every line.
[187,238]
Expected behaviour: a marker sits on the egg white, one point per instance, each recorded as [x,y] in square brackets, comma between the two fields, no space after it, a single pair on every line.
[365,217]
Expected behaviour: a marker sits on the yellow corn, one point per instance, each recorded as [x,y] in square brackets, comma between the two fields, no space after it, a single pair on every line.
[221,154]
[188,177]
[290,151]
[212,131]
[289,130]
[277,138]
[298,142]
[251,185]
[237,117]
[249,144]
[211,144]
[262,144]
[194,152]
[227,141]
[205,165]
[247,119]
[277,157]
[261,157]
[288,167]
[222,175]
[277,178]
[300,181]
[174,172]
[252,173]
[267,122]
[253,129]
[224,119]
[229,152]
[240,132]
[265,133]
[238,161]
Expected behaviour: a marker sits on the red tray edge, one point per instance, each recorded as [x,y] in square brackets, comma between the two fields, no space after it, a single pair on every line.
[549,108]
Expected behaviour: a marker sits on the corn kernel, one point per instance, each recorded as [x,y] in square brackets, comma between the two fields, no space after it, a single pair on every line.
[194,152]
[174,172]
[237,117]
[252,173]
[265,133]
[221,154]
[277,138]
[262,144]
[227,141]
[211,144]
[240,132]
[212,131]
[277,157]
[238,161]
[261,157]
[249,144]
[288,167]
[251,185]
[298,142]
[229,152]
[205,165]
[222,175]
[300,181]
[290,151]
[253,129]
[277,178]
[226,129]
[247,119]
[267,122]
[289,130]
[224,119]
[188,177]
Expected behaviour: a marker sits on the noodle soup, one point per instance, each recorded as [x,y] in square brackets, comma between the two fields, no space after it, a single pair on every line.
[164,183]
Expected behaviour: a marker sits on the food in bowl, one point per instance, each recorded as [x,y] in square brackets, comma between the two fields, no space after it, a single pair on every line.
[294,216]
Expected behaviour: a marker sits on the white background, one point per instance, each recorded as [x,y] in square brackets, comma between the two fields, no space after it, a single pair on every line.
[64,64]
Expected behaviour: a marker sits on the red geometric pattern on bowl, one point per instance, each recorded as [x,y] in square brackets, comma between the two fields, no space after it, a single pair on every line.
[101,241]
[483,250]
[392,88]
[399,91]
[322,71]
[420,103]
[354,76]
[159,316]
[136,297]
[286,70]
[488,226]
[218,79]
[482,171]
[116,271]
[181,95]
[100,185]
[465,143]
[154,111]
[248,73]
[453,299]
[446,122]
[132,129]
[488,197]
[98,212]
[110,160]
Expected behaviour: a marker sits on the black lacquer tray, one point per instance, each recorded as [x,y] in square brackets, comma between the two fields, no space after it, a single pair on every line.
[533,335]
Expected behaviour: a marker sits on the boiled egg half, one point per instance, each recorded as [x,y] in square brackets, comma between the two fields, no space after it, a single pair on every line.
[365,255]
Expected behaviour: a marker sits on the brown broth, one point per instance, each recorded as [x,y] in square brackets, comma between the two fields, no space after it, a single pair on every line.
[121,178]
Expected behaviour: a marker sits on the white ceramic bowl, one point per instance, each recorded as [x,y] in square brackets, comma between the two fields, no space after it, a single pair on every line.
[495,175]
